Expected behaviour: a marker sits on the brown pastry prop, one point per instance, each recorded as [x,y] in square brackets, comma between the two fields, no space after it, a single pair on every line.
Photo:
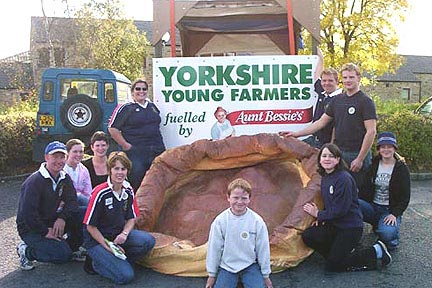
[185,189]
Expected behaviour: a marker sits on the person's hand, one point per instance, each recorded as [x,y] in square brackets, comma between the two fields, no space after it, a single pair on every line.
[108,248]
[356,165]
[311,208]
[390,220]
[210,282]
[50,235]
[58,227]
[268,283]
[120,239]
[287,134]
[127,146]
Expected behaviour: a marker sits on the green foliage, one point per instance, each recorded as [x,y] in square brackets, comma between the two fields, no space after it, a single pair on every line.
[30,105]
[16,138]
[414,134]
[106,40]
[392,106]
[361,32]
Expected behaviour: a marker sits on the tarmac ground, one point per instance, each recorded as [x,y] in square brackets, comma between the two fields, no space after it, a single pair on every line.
[411,265]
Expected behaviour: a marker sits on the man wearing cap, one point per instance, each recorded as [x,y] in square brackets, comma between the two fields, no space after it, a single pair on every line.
[387,190]
[47,219]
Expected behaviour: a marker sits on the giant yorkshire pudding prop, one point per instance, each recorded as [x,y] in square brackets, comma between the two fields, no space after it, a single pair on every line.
[185,189]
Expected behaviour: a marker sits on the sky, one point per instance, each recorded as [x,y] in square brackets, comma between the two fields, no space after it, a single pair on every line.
[15,23]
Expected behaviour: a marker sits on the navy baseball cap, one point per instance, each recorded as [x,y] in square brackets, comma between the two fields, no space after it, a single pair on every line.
[387,138]
[55,146]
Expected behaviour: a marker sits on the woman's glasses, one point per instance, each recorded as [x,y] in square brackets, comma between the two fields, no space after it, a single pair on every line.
[140,89]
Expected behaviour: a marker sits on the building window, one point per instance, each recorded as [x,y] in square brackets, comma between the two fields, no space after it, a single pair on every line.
[59,57]
[44,60]
[406,93]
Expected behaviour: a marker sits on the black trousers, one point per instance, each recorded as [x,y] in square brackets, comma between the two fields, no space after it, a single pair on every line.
[339,247]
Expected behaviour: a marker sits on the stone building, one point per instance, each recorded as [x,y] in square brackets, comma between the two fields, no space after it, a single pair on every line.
[411,83]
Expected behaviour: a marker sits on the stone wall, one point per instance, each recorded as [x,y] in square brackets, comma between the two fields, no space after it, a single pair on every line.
[394,90]
[426,85]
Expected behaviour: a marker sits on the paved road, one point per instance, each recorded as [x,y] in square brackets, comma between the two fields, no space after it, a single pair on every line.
[411,266]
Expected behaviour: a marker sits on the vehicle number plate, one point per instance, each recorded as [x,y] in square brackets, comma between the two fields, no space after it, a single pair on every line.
[46,120]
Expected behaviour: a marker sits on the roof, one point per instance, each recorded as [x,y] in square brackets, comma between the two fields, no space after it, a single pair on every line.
[145,26]
[101,73]
[408,71]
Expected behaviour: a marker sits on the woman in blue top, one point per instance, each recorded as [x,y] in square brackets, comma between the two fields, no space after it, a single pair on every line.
[135,127]
[338,227]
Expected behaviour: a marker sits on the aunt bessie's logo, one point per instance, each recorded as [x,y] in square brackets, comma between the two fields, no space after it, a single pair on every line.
[286,116]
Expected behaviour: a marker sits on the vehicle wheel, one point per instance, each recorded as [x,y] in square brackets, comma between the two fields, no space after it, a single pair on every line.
[81,114]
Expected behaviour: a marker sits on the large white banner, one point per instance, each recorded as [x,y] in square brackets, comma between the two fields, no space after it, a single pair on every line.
[201,97]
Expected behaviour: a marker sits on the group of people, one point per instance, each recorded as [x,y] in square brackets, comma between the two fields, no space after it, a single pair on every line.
[85,210]
[71,207]
[355,187]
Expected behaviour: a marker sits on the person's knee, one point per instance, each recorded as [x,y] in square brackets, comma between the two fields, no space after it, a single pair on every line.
[388,234]
[60,254]
[150,241]
[126,276]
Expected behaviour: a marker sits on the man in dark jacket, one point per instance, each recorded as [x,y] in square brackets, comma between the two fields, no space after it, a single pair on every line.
[47,220]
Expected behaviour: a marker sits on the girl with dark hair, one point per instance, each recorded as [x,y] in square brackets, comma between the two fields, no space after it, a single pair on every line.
[339,225]
[97,165]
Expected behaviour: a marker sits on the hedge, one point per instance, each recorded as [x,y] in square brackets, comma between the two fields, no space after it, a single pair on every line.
[17,130]
[414,137]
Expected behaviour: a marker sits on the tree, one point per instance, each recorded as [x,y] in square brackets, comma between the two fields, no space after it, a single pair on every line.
[361,31]
[107,40]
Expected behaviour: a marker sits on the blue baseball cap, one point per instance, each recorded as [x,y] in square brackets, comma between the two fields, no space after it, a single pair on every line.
[55,146]
[387,138]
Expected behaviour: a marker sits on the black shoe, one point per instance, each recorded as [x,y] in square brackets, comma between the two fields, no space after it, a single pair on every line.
[88,266]
[386,257]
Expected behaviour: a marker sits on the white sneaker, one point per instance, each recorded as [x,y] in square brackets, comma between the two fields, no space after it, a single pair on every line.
[25,263]
[78,256]
[386,257]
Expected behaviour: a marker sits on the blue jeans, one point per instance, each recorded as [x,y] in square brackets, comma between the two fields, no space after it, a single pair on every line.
[251,277]
[374,214]
[360,175]
[43,249]
[53,251]
[121,271]
[142,158]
